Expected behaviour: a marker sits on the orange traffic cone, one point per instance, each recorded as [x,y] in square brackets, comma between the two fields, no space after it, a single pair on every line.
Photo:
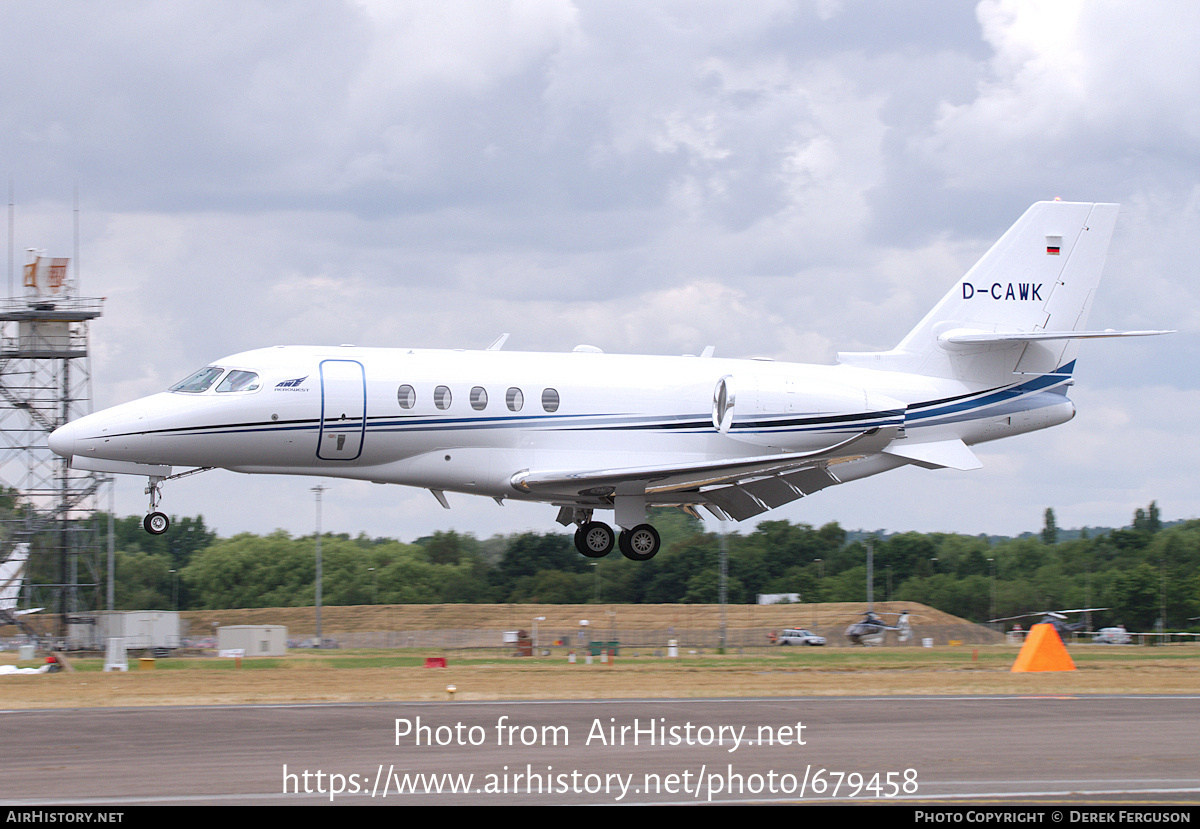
[1043,651]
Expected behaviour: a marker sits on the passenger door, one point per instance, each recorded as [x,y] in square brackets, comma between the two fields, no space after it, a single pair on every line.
[343,410]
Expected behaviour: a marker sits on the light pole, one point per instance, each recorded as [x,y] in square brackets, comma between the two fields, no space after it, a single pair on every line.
[317,490]
[820,572]
[992,561]
[722,581]
[870,576]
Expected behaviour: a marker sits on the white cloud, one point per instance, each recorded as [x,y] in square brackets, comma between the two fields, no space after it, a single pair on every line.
[1073,86]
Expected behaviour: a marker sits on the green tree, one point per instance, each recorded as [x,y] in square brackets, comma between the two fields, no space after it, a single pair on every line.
[1050,528]
[1135,597]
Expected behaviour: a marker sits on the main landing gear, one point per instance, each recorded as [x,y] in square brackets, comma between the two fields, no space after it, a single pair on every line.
[595,539]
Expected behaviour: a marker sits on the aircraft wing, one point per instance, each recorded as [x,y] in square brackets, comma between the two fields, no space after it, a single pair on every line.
[739,487]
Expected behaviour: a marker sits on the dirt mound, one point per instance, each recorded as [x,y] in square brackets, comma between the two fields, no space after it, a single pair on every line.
[300,621]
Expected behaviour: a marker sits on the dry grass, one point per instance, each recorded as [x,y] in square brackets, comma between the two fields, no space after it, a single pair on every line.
[300,620]
[349,676]
[502,681]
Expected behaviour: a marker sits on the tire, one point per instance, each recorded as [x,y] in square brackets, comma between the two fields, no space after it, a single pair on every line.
[641,543]
[156,523]
[594,539]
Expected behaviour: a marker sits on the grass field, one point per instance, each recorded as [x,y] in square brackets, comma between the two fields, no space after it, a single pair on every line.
[377,675]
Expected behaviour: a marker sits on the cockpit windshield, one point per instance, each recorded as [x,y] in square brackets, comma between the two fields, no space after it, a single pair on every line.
[239,381]
[205,378]
[199,382]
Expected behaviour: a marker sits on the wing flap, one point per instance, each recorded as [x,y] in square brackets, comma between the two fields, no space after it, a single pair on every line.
[674,477]
[773,492]
[735,502]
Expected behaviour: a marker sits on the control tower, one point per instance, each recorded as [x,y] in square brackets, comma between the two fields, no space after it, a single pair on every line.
[45,381]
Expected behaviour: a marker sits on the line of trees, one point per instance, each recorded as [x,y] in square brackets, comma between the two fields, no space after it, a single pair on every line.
[1139,571]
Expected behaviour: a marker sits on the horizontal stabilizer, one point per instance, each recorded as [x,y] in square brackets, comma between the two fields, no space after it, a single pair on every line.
[949,454]
[961,336]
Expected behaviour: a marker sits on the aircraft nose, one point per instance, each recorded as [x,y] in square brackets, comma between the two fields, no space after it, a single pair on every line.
[62,440]
[118,433]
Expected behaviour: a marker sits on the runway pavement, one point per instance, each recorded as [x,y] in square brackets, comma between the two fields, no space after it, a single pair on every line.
[897,749]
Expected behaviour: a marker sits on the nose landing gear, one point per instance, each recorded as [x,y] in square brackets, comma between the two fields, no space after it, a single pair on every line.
[155,522]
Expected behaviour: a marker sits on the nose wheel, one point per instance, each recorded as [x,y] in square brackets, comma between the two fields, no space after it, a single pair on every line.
[156,523]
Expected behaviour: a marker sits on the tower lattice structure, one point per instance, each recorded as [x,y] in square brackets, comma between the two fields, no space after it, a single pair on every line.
[45,381]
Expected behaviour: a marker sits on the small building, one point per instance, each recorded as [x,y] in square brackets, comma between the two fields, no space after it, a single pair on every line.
[253,640]
[779,598]
[141,629]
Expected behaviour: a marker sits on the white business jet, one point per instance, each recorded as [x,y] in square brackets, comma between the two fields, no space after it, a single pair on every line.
[588,431]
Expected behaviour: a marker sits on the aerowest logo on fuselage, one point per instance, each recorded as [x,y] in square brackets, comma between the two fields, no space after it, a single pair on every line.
[291,385]
[1004,291]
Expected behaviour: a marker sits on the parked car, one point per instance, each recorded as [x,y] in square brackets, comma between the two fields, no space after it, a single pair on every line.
[1113,636]
[799,636]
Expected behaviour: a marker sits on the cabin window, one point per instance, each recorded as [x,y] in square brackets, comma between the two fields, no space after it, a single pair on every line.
[406,396]
[201,381]
[441,397]
[514,399]
[239,381]
[550,400]
[479,398]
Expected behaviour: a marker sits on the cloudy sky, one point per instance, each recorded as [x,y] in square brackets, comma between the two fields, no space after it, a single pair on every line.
[785,179]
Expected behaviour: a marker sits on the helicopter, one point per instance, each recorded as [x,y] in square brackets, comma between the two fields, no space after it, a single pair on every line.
[1058,618]
[872,630]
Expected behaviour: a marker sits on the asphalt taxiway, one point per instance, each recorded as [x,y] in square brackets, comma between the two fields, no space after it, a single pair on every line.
[899,749]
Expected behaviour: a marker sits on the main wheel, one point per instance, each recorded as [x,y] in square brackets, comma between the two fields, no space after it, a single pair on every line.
[594,539]
[640,544]
[156,523]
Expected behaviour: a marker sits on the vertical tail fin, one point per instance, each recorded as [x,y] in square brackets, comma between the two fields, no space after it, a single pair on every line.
[1019,309]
